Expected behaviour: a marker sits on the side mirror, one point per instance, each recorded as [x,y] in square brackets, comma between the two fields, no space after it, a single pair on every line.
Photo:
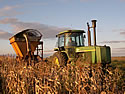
[84,36]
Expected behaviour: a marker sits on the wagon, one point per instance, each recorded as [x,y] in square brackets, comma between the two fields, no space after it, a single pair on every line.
[27,44]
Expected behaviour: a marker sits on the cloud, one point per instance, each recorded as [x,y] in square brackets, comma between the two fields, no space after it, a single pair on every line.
[122,48]
[118,51]
[121,31]
[118,54]
[123,41]
[46,30]
[118,30]
[8,11]
[8,21]
[5,35]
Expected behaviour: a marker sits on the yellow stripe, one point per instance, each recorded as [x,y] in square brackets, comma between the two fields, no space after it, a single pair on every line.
[89,50]
[86,50]
[16,48]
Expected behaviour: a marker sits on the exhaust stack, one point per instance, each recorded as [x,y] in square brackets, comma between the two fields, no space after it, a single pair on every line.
[89,35]
[94,32]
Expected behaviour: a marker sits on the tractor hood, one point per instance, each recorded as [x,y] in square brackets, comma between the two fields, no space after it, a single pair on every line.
[95,54]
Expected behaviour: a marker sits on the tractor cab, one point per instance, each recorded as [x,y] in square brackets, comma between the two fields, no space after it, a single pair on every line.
[71,38]
[68,42]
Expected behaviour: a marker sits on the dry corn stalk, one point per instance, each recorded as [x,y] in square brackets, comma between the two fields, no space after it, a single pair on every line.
[43,77]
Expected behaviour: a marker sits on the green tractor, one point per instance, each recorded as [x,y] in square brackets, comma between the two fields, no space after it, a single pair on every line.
[71,47]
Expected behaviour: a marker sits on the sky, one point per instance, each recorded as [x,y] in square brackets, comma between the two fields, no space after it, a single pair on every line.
[53,16]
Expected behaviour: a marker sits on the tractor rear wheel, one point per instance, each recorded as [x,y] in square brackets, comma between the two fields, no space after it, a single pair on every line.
[59,59]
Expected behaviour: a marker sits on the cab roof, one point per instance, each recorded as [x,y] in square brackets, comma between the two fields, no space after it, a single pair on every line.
[72,31]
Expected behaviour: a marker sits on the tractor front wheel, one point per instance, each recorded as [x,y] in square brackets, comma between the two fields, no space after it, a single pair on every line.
[59,59]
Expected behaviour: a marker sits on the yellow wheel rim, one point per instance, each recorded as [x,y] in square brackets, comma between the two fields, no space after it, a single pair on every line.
[56,61]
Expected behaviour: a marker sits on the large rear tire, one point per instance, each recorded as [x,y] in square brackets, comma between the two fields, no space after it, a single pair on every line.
[59,59]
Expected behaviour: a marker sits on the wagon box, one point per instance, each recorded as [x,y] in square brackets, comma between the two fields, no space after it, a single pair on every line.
[25,42]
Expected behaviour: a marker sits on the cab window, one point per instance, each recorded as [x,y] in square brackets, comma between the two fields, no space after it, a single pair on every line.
[61,41]
[74,39]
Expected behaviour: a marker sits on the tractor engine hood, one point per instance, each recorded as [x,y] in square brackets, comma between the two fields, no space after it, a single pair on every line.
[95,54]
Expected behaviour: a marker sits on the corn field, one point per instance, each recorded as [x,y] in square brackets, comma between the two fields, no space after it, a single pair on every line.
[46,78]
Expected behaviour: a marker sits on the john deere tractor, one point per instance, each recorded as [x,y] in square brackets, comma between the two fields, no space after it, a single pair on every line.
[71,46]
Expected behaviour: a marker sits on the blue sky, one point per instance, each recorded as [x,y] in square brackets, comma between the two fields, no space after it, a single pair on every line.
[53,16]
